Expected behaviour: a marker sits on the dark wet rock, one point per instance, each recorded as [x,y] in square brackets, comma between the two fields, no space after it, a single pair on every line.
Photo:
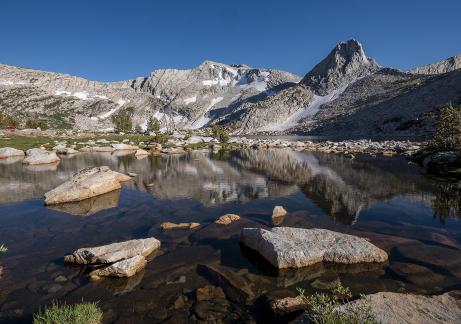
[212,311]
[209,293]
[431,255]
[60,279]
[415,273]
[52,288]
[286,247]
[236,288]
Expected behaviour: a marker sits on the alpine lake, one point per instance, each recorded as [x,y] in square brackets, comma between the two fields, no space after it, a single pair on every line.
[412,216]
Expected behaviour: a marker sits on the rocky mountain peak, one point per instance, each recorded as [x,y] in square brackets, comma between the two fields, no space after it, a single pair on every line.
[444,66]
[345,63]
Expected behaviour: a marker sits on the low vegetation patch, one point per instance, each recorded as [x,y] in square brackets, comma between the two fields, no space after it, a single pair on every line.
[324,308]
[220,133]
[84,313]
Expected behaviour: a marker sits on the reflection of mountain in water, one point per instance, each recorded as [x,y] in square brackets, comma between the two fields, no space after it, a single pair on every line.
[209,181]
[340,186]
[192,176]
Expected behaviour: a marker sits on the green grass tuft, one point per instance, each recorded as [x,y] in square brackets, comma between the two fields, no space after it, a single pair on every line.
[84,313]
[3,249]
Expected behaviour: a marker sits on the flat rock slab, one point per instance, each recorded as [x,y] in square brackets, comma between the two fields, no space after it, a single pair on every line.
[288,247]
[6,152]
[114,252]
[124,268]
[85,184]
[398,308]
[39,156]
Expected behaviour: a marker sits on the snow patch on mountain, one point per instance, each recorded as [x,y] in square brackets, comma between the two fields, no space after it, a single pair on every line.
[190,100]
[310,110]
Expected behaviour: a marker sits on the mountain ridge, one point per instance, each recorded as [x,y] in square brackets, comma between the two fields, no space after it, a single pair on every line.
[244,99]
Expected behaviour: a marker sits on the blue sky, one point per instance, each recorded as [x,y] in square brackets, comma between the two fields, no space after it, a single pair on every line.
[111,40]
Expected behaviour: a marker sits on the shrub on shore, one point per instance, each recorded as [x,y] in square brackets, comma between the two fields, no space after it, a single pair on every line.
[220,133]
[123,121]
[7,121]
[84,313]
[323,308]
[448,129]
[36,123]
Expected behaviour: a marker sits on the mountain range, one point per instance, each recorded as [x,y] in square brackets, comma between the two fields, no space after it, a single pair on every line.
[347,94]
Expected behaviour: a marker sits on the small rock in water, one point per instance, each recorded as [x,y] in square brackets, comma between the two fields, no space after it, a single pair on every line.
[278,214]
[227,219]
[132,174]
[171,226]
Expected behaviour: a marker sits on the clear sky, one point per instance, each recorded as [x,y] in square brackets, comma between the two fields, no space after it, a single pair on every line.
[111,40]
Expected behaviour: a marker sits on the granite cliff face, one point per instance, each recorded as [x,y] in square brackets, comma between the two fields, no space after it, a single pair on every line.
[448,65]
[346,94]
[346,63]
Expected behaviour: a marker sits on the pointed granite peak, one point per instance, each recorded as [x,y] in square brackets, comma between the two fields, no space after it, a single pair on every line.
[346,63]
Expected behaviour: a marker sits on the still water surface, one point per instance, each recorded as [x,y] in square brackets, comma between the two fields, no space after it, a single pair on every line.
[413,217]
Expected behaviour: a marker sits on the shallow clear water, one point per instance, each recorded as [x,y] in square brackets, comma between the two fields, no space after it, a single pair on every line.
[413,217]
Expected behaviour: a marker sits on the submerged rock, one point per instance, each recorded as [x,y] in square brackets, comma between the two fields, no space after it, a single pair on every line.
[114,252]
[227,219]
[397,308]
[286,247]
[39,156]
[6,152]
[85,184]
[235,287]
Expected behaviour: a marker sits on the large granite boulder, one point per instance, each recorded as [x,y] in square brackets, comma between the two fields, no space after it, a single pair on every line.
[399,308]
[39,156]
[122,259]
[113,252]
[6,152]
[287,247]
[87,183]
